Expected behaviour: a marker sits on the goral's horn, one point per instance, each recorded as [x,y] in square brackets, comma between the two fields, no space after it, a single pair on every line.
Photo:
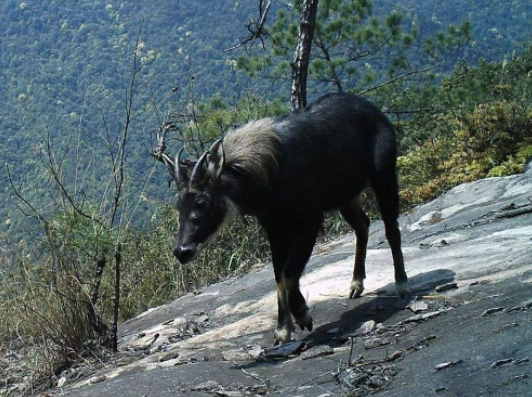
[198,167]
[177,164]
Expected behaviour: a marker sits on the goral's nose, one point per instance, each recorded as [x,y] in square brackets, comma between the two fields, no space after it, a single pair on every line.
[184,253]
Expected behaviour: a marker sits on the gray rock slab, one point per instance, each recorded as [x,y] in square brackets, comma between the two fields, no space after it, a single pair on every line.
[477,235]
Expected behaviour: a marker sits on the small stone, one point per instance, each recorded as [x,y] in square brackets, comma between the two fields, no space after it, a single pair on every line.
[417,306]
[334,330]
[317,351]
[61,382]
[366,328]
[255,352]
[169,356]
[98,379]
[446,287]
[396,355]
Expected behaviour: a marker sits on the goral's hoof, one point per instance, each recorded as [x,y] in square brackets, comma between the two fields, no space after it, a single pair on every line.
[282,334]
[403,290]
[357,287]
[305,321]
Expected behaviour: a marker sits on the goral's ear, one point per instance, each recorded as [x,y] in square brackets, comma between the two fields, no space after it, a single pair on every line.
[215,160]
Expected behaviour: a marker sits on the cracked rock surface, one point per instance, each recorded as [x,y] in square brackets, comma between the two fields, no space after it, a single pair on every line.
[469,340]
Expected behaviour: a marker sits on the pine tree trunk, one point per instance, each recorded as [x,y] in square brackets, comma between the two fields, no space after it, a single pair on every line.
[298,95]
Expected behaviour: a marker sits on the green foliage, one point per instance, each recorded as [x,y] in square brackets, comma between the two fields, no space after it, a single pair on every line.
[354,49]
[485,130]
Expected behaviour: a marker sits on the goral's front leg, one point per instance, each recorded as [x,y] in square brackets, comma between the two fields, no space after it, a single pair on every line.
[283,332]
[357,287]
[297,304]
[284,328]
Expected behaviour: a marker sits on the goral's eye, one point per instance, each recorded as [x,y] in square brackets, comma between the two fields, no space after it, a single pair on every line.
[194,217]
[200,205]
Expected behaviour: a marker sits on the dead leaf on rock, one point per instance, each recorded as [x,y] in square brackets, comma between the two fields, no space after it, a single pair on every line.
[317,351]
[441,366]
[282,351]
[229,393]
[500,363]
[492,310]
[422,317]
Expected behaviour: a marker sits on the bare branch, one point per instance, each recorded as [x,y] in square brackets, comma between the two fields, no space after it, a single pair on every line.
[255,28]
[160,151]
[119,179]
[114,329]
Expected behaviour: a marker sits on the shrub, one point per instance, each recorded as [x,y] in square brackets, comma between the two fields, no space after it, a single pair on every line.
[493,140]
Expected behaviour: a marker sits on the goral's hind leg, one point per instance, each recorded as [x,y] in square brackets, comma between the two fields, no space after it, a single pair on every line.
[386,190]
[359,221]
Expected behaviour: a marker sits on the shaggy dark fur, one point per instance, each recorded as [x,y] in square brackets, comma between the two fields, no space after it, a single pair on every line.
[289,171]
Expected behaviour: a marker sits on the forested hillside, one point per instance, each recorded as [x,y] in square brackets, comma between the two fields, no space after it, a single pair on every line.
[66,69]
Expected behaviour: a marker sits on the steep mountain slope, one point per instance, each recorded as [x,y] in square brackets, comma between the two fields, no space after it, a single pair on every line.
[473,338]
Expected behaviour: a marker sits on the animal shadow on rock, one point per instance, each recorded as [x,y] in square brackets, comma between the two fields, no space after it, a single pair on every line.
[383,299]
[350,320]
